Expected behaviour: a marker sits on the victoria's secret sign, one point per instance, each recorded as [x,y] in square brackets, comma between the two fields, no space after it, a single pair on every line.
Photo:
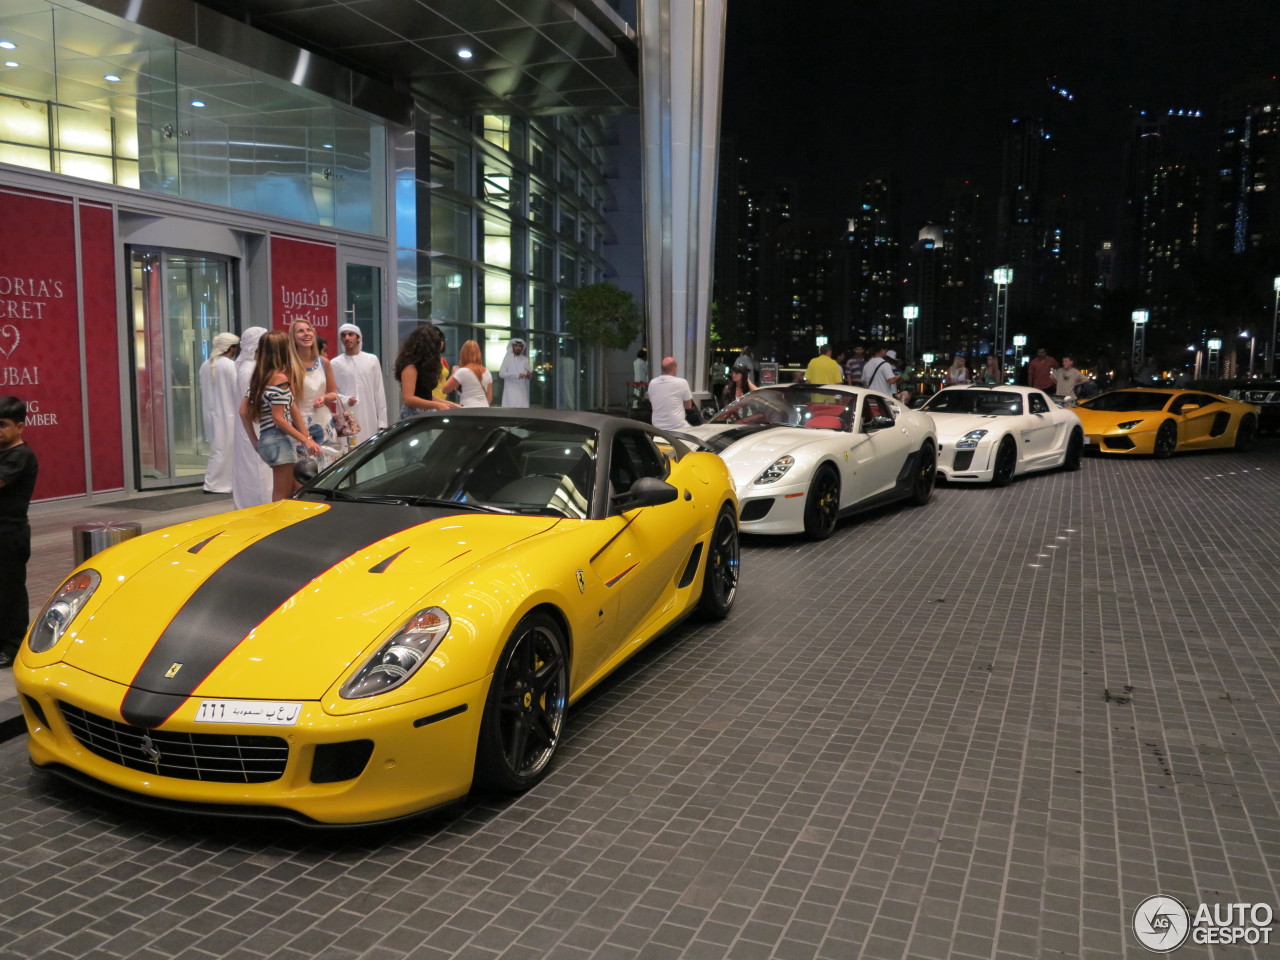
[304,276]
[40,335]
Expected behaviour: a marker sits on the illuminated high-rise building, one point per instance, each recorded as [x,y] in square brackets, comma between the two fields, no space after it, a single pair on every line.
[1246,200]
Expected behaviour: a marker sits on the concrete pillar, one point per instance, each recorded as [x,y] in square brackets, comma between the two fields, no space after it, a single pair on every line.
[682,60]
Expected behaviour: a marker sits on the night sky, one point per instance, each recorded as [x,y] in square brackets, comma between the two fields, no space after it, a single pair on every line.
[832,92]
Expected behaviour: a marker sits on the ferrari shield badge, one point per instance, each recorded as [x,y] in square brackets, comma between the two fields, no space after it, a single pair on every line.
[172,671]
[582,583]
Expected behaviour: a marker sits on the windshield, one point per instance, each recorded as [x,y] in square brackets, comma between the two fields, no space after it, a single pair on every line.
[516,465]
[1128,401]
[993,403]
[792,407]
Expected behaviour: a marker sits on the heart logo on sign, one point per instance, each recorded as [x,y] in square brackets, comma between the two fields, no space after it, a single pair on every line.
[9,340]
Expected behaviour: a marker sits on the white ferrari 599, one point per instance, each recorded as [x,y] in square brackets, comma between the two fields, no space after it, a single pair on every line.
[803,456]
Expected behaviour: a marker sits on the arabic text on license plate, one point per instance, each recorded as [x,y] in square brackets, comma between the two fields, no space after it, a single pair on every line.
[262,712]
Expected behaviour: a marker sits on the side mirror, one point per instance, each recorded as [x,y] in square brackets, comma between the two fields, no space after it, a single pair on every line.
[877,423]
[645,492]
[1188,407]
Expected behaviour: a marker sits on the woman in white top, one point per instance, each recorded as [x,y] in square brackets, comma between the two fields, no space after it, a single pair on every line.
[470,378]
[318,386]
[959,372]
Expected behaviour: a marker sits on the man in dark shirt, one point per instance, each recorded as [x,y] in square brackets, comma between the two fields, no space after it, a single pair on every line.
[17,482]
[1040,371]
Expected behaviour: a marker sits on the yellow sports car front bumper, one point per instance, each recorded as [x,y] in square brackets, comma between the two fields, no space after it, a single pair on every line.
[381,764]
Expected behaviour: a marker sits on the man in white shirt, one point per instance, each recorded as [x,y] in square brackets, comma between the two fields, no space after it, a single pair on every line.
[515,373]
[358,376]
[879,373]
[220,404]
[670,397]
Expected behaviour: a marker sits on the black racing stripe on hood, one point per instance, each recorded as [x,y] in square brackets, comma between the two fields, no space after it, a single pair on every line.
[722,441]
[246,589]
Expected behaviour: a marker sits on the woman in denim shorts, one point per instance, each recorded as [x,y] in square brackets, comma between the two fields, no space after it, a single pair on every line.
[271,395]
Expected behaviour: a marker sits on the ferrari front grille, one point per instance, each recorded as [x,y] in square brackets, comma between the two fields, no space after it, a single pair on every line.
[211,757]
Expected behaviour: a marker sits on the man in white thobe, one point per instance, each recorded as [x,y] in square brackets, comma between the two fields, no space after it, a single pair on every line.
[515,373]
[359,379]
[220,405]
[250,476]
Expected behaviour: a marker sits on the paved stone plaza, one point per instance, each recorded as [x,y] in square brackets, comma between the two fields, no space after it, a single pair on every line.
[989,727]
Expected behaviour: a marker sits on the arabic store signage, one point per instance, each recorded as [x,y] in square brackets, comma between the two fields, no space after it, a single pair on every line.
[304,285]
[40,335]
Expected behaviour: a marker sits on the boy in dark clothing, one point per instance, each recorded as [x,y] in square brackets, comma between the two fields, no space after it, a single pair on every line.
[17,482]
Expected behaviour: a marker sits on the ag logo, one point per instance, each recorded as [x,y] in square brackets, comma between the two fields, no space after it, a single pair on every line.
[582,583]
[1161,924]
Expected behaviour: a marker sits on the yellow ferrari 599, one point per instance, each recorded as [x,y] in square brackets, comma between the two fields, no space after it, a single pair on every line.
[415,620]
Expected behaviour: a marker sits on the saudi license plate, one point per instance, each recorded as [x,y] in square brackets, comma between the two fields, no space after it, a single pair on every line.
[265,713]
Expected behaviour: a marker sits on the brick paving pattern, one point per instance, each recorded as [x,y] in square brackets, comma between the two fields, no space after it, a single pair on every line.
[985,728]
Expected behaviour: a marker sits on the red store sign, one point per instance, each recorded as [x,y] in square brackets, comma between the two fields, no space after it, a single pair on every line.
[40,336]
[304,285]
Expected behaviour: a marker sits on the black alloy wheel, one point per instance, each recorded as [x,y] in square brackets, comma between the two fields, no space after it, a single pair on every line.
[720,575]
[1006,463]
[1075,451]
[525,710]
[926,475]
[1166,440]
[1246,434]
[822,504]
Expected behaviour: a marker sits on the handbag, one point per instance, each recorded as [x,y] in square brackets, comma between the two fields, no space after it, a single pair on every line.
[344,421]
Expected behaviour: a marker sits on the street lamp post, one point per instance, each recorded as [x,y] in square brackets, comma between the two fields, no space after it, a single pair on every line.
[1138,354]
[1275,316]
[910,314]
[1019,356]
[1003,277]
[1215,346]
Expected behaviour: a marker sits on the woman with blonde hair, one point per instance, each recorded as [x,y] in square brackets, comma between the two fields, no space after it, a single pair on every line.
[314,386]
[959,370]
[270,403]
[471,379]
[419,369]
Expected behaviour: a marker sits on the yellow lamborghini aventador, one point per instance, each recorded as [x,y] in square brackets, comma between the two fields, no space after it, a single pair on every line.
[415,620]
[1160,422]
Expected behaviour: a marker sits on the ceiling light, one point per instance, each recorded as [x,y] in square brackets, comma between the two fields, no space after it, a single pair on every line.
[111,76]
[465,54]
[8,45]
[327,146]
[197,103]
[11,63]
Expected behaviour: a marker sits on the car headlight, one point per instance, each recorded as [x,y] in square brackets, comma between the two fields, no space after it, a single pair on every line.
[1128,424]
[56,615]
[400,657]
[776,470]
[970,439]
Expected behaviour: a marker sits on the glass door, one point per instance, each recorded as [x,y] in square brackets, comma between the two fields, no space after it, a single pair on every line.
[363,307]
[180,302]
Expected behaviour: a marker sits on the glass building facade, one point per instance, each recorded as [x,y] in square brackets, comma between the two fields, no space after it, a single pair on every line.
[516,224]
[514,206]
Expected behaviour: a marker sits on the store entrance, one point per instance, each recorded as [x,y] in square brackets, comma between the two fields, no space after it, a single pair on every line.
[179,302]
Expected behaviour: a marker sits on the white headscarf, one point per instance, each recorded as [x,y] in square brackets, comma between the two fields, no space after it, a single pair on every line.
[249,344]
[350,328]
[221,344]
[512,364]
